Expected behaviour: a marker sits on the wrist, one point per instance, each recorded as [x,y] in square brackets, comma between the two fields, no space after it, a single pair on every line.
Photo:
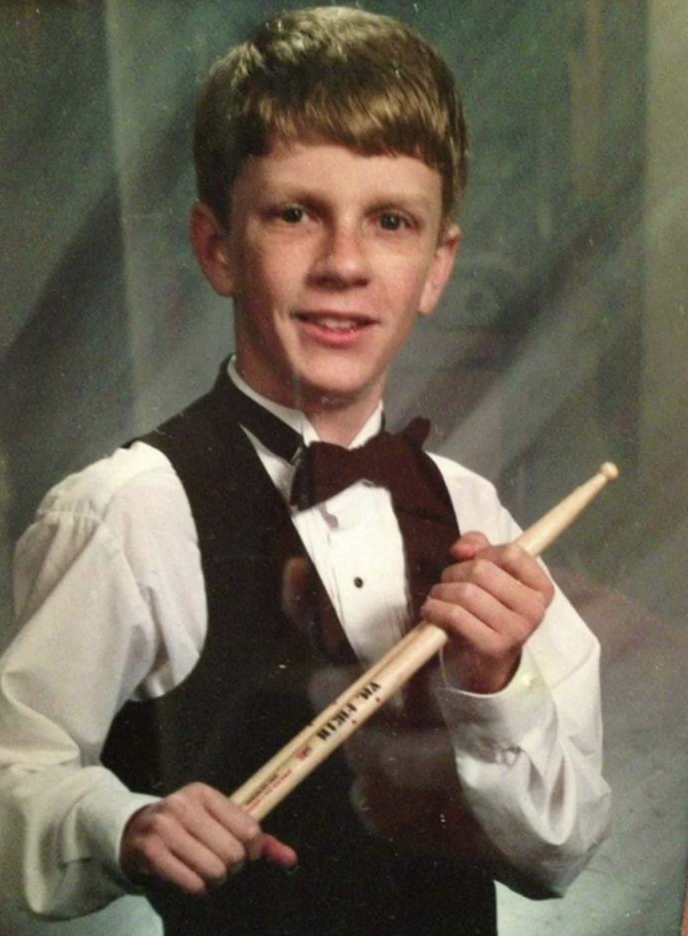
[478,675]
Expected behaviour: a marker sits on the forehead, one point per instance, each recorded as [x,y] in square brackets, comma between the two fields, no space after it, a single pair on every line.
[336,172]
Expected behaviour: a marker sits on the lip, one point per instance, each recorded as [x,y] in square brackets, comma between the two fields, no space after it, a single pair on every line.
[336,329]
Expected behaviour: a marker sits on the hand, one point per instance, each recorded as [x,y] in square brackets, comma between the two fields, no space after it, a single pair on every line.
[489,602]
[194,838]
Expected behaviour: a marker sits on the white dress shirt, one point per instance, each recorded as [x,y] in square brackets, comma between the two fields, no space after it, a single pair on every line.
[110,604]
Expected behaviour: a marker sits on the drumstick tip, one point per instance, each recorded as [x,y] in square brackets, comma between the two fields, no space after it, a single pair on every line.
[609,470]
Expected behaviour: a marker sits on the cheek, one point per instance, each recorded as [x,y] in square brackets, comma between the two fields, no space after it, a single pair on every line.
[261,283]
[406,287]
[276,274]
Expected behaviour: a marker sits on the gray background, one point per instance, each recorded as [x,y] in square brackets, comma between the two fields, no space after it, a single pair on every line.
[562,341]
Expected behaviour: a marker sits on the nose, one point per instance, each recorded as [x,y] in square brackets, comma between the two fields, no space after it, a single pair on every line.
[342,259]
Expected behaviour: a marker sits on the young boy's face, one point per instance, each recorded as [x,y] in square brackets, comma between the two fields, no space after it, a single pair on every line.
[331,257]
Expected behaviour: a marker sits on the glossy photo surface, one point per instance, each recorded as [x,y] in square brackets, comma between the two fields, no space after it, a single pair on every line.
[561,340]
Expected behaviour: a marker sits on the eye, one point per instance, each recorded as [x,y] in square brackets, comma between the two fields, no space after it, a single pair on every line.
[292,214]
[393,221]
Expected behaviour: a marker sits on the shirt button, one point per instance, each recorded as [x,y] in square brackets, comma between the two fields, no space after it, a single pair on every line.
[358,582]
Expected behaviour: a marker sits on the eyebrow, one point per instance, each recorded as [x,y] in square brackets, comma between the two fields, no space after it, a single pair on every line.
[297,192]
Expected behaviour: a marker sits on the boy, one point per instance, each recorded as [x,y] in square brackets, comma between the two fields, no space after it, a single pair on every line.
[204,591]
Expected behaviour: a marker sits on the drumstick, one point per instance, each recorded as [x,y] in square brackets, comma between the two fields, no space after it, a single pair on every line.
[294,762]
[246,793]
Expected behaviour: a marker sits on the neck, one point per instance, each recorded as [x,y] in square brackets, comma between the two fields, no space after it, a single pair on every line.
[338,424]
[335,419]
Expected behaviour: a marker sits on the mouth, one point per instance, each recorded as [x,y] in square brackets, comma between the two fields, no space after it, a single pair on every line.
[339,323]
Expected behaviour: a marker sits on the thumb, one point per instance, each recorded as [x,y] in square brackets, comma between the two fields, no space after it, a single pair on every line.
[469,545]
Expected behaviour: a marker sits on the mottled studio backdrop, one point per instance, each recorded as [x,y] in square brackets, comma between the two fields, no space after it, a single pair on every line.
[562,342]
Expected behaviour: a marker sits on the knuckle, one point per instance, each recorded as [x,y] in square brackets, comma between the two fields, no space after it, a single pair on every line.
[520,636]
[149,854]
[512,554]
[174,804]
[435,593]
[253,830]
[149,849]
[538,607]
[159,821]
[247,833]
[474,538]
[468,593]
[481,569]
[234,855]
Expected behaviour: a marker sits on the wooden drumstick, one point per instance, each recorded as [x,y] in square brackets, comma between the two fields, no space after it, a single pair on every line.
[545,530]
[246,793]
[294,762]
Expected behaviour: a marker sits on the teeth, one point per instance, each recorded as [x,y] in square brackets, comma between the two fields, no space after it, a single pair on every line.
[333,322]
[340,324]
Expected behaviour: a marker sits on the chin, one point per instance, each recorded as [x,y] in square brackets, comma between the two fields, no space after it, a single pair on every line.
[327,395]
[334,391]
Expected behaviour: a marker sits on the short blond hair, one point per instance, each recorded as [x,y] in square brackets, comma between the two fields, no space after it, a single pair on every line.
[339,74]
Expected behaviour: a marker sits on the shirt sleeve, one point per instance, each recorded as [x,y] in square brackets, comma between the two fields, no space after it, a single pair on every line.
[530,757]
[88,592]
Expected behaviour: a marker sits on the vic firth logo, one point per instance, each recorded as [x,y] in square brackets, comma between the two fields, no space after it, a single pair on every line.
[348,711]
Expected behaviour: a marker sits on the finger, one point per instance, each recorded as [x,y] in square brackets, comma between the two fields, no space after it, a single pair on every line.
[491,595]
[478,619]
[203,828]
[165,848]
[277,852]
[469,545]
[484,656]
[228,824]
[511,561]
[156,860]
[247,830]
[522,566]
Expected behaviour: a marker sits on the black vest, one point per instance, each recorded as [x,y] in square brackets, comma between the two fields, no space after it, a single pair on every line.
[244,699]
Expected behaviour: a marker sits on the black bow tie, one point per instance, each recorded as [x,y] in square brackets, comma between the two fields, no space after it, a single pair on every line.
[387,460]
[325,469]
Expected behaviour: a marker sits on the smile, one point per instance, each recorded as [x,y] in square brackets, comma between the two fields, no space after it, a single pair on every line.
[340,323]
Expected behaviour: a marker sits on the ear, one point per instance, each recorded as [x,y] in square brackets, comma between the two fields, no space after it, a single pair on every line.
[440,269]
[210,243]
